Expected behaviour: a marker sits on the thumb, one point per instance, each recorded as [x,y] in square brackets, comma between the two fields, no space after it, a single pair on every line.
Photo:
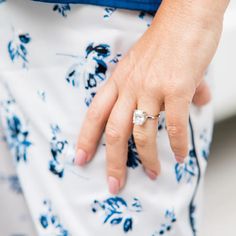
[202,95]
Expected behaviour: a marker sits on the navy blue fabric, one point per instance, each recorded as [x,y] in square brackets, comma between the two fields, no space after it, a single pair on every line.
[146,5]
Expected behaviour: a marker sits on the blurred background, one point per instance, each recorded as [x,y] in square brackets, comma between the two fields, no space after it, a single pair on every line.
[219,216]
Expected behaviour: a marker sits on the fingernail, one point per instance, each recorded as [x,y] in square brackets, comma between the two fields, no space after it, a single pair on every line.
[113,184]
[81,157]
[179,159]
[151,174]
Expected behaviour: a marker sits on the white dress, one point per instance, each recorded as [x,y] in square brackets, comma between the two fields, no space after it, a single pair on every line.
[53,58]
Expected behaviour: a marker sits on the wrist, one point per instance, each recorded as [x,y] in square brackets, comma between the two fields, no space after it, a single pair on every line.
[205,14]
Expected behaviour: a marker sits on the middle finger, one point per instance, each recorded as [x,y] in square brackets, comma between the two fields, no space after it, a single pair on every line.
[145,136]
[117,133]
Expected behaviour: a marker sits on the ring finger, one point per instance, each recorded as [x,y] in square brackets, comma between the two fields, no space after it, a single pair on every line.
[145,137]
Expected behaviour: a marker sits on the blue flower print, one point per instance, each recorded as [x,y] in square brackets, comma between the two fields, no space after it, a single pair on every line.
[57,147]
[1,1]
[50,222]
[133,160]
[89,69]
[16,134]
[17,138]
[116,59]
[108,11]
[116,211]
[62,8]
[167,226]
[17,48]
[188,169]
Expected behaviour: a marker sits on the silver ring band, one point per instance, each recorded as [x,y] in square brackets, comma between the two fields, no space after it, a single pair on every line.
[140,117]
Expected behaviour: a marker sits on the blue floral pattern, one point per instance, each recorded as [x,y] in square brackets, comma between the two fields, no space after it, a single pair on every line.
[91,69]
[62,8]
[116,211]
[133,160]
[17,48]
[16,135]
[188,169]
[51,222]
[57,146]
[167,226]
[108,11]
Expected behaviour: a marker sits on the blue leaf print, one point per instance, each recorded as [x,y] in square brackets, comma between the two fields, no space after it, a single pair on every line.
[116,59]
[62,8]
[117,211]
[57,147]
[24,38]
[167,226]
[17,49]
[116,221]
[108,11]
[188,169]
[133,160]
[50,222]
[128,224]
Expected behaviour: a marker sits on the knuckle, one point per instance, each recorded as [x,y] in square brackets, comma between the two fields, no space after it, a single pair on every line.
[112,134]
[116,170]
[149,162]
[175,130]
[93,114]
[115,167]
[140,137]
[180,150]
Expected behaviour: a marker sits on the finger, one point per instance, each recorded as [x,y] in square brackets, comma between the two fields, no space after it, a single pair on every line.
[118,130]
[177,114]
[202,95]
[145,137]
[94,123]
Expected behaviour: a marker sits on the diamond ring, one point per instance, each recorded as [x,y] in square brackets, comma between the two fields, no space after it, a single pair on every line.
[139,117]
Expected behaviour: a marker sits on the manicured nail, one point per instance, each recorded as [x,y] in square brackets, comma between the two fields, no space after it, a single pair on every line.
[179,159]
[151,174]
[113,184]
[81,157]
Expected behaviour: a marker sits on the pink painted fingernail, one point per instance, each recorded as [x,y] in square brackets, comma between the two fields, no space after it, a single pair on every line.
[179,159]
[151,174]
[113,184]
[81,157]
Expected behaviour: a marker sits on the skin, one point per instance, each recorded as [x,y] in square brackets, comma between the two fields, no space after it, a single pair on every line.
[167,75]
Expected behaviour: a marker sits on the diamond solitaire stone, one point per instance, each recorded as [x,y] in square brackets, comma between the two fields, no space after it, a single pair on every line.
[139,117]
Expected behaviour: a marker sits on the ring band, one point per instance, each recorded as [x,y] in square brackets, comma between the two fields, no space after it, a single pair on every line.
[140,116]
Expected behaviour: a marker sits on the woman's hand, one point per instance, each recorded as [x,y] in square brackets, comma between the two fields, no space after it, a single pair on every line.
[161,71]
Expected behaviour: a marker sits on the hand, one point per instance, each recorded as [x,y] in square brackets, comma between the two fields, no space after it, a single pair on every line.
[163,70]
